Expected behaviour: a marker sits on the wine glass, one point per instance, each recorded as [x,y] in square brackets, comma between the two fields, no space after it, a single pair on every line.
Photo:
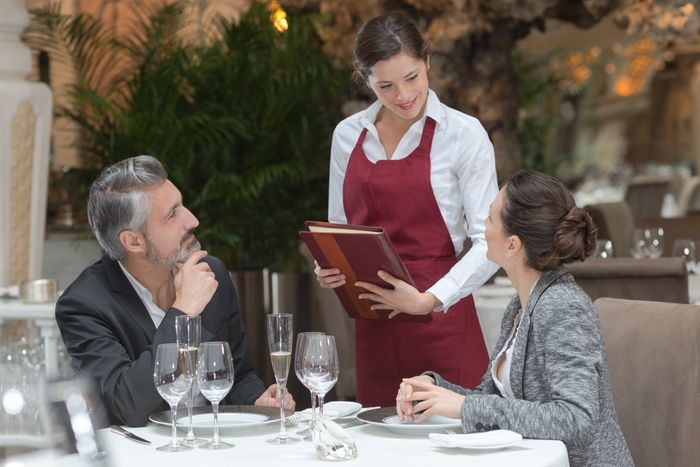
[655,241]
[685,248]
[639,244]
[215,378]
[302,339]
[320,367]
[604,248]
[172,384]
[188,334]
[279,339]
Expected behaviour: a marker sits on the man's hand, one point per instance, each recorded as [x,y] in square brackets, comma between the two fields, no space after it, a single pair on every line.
[195,284]
[403,299]
[271,398]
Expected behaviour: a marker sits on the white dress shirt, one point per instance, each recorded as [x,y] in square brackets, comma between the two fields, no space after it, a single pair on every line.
[462,174]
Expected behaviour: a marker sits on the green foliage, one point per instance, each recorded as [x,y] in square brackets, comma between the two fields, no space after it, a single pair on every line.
[539,97]
[242,124]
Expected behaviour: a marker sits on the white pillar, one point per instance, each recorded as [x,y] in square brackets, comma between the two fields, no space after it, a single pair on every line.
[25,127]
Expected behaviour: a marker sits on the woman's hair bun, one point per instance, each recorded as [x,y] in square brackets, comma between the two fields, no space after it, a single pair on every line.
[575,236]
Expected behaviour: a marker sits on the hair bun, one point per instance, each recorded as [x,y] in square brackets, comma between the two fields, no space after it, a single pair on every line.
[575,236]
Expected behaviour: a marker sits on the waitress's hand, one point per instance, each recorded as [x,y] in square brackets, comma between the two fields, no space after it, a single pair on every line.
[430,399]
[329,278]
[403,299]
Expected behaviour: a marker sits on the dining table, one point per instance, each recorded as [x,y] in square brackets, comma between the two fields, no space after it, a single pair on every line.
[375,445]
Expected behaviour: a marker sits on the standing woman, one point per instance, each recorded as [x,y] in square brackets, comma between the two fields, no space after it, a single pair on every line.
[426,174]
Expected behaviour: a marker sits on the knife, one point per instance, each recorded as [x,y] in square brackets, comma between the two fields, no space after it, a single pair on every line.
[128,435]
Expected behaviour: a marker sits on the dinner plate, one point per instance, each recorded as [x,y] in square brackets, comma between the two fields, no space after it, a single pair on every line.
[386,418]
[232,418]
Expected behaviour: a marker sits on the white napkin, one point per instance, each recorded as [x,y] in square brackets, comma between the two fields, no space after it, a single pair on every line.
[337,409]
[488,439]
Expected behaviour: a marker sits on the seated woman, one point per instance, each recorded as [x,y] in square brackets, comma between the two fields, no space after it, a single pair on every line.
[548,377]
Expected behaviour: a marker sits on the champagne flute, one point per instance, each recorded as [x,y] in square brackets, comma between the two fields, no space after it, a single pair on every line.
[302,339]
[280,332]
[172,384]
[215,379]
[188,333]
[320,367]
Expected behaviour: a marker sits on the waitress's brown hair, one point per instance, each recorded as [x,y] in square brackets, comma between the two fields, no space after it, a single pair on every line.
[384,36]
[543,214]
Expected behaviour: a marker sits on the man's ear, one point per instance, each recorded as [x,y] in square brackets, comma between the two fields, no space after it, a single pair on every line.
[132,241]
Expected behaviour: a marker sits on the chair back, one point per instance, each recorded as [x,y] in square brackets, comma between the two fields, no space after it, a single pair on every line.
[653,354]
[615,223]
[689,199]
[645,196]
[660,279]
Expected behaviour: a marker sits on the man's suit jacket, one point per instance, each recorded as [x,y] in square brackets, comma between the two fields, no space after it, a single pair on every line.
[111,338]
[558,374]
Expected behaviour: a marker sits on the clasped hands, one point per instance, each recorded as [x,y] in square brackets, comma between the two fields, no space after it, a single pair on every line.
[404,298]
[421,396]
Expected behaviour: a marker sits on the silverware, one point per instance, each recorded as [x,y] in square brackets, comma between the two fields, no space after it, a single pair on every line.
[128,435]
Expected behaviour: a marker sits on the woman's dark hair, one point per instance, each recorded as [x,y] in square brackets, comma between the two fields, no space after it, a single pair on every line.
[543,214]
[383,37]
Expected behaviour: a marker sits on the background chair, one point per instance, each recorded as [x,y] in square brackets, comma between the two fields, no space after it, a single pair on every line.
[689,199]
[661,279]
[615,223]
[645,196]
[653,353]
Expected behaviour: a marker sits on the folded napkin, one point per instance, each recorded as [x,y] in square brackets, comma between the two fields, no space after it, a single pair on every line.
[338,409]
[489,439]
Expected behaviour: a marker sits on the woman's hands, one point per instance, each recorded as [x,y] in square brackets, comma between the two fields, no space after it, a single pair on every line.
[403,299]
[421,394]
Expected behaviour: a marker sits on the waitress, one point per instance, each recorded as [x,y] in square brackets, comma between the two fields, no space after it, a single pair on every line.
[426,174]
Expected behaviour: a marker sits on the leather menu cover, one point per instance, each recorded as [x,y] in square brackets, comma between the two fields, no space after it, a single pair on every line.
[359,252]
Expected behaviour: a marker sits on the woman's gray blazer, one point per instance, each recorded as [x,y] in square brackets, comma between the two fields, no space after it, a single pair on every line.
[559,376]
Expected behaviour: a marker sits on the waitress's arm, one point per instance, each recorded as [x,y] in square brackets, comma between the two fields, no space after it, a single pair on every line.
[475,170]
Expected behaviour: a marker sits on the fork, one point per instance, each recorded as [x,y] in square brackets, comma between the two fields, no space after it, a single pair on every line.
[292,421]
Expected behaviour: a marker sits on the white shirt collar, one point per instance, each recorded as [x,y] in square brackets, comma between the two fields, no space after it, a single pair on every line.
[146,297]
[433,109]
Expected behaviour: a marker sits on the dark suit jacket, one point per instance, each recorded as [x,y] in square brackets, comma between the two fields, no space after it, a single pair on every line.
[112,339]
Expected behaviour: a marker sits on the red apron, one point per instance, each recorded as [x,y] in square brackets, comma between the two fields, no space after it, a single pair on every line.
[398,196]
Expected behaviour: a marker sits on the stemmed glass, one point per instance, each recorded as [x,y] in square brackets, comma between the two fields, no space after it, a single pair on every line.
[685,248]
[302,339]
[215,378]
[639,244]
[320,367]
[279,339]
[655,241]
[172,384]
[188,333]
[604,249]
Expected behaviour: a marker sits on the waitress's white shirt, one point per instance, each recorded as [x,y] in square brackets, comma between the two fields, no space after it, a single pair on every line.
[462,174]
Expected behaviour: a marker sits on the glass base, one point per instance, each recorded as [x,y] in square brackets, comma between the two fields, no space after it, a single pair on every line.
[220,445]
[194,441]
[174,447]
[283,440]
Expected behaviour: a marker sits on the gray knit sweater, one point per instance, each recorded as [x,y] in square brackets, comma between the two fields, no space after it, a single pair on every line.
[559,376]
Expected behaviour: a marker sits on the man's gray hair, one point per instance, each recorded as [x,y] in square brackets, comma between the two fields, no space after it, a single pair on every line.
[117,200]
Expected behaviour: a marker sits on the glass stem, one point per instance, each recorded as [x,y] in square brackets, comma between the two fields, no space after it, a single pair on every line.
[320,405]
[215,408]
[313,407]
[190,397]
[173,411]
[283,431]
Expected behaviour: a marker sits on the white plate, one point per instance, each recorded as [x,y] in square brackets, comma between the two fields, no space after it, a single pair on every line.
[232,418]
[386,418]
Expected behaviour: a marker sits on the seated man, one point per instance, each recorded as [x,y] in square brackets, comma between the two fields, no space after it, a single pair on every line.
[117,312]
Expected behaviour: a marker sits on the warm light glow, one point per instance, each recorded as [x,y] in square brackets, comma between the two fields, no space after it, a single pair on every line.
[637,70]
[278,16]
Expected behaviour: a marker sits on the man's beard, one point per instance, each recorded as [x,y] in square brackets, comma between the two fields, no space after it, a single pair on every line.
[178,256]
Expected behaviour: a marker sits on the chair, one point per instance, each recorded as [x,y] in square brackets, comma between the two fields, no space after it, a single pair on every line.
[645,196]
[661,279]
[615,223]
[676,228]
[653,354]
[689,199]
